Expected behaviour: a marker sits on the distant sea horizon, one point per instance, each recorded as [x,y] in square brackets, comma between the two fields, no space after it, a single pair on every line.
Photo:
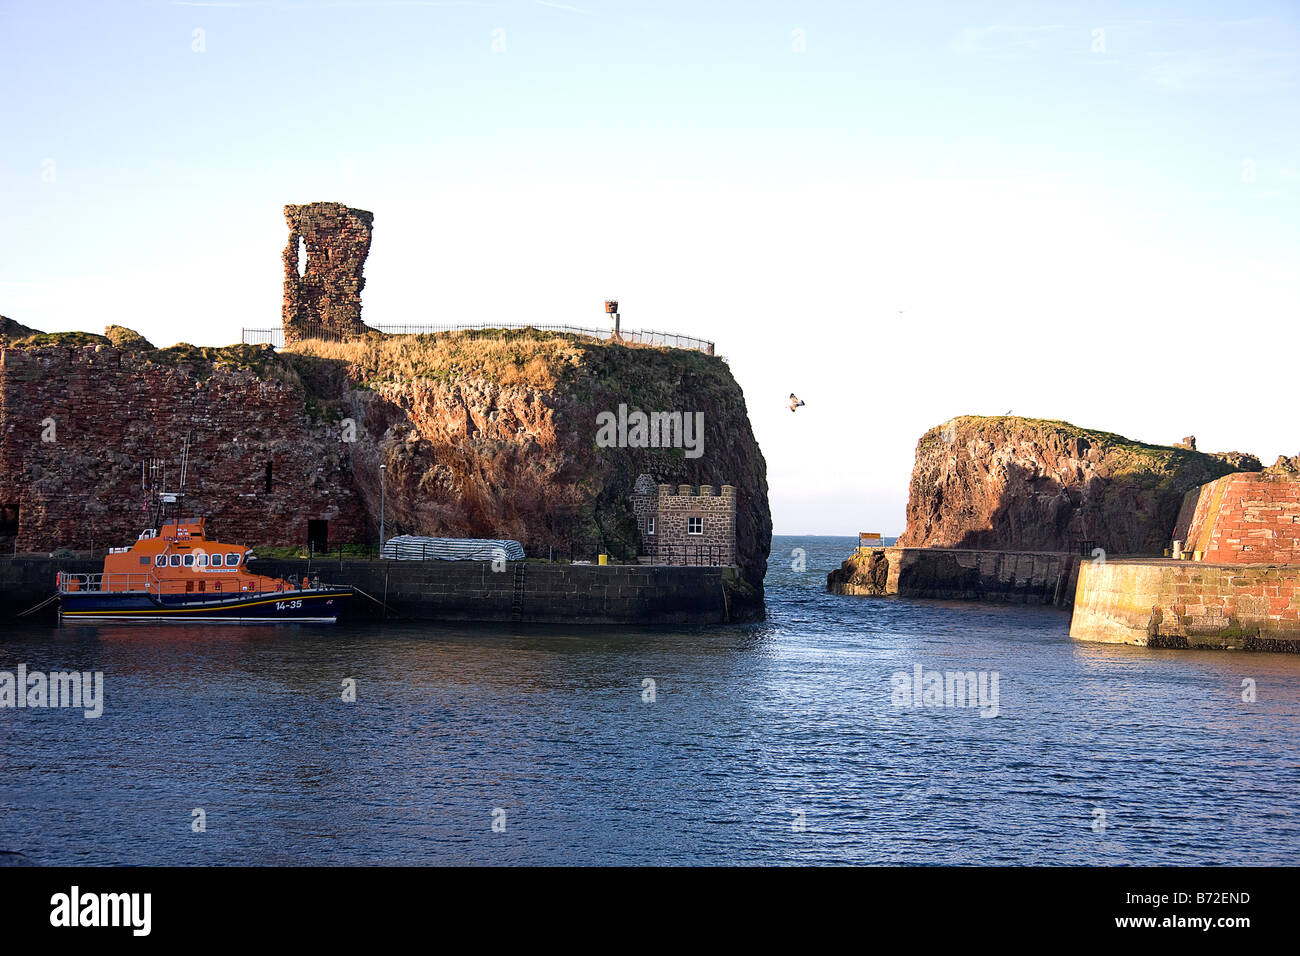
[886,539]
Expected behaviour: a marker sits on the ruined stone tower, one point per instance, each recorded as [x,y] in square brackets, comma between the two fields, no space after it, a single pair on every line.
[325,300]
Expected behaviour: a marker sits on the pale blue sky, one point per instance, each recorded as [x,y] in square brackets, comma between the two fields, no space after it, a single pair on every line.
[932,209]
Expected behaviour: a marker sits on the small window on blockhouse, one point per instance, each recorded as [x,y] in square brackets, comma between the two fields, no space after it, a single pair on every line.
[161,561]
[695,525]
[189,560]
[649,525]
[216,560]
[232,560]
[175,561]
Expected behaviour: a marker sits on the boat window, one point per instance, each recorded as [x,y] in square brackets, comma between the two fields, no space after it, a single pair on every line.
[175,561]
[189,560]
[201,560]
[161,560]
[232,560]
[216,560]
[144,559]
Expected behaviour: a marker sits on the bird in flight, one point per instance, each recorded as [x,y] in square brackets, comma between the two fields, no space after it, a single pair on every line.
[794,401]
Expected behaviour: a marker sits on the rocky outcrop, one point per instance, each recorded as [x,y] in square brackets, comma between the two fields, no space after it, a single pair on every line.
[482,434]
[9,329]
[1238,460]
[78,421]
[492,434]
[1285,465]
[1027,484]
[124,338]
[325,299]
[1008,577]
[865,571]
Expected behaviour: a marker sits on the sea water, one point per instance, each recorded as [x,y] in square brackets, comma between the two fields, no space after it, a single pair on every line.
[788,741]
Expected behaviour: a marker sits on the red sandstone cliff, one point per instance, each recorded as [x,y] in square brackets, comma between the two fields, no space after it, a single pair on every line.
[493,434]
[78,420]
[484,434]
[1025,484]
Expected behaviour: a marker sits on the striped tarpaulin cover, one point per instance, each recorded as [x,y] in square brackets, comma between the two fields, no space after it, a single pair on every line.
[412,547]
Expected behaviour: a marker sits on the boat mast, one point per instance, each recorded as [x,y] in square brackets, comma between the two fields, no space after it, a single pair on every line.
[157,486]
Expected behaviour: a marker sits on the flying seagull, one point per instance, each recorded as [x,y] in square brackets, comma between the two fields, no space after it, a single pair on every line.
[794,401]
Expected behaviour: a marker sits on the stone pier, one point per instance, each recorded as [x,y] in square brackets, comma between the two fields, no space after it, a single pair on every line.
[1188,604]
[1007,577]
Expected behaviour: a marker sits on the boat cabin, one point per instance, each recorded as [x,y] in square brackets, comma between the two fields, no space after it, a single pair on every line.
[178,558]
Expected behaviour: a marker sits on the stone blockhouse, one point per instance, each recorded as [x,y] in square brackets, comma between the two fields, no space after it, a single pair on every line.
[685,524]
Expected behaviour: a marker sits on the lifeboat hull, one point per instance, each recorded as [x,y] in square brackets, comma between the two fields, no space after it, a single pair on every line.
[310,606]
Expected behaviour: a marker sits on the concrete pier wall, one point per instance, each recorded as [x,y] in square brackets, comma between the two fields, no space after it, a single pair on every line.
[1008,577]
[472,591]
[1164,603]
[27,581]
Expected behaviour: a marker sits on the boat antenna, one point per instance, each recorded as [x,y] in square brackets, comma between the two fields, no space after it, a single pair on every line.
[185,461]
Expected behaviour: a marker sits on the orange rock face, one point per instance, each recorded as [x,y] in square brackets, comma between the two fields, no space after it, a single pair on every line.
[1024,484]
[488,435]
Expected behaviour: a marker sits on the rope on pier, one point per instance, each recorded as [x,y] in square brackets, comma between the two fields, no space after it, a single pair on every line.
[358,590]
[44,604]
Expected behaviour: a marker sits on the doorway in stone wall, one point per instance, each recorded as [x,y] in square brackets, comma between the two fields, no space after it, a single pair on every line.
[318,536]
[8,526]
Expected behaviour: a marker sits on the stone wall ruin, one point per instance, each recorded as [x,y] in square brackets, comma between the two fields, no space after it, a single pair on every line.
[324,301]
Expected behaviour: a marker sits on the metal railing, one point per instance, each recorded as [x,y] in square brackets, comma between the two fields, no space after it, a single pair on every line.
[703,555]
[142,583]
[673,340]
[118,582]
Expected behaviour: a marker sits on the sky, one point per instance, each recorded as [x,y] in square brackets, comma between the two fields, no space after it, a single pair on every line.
[900,212]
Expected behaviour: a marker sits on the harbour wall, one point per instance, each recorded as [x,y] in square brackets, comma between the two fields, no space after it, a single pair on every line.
[472,591]
[1185,604]
[1007,577]
[27,581]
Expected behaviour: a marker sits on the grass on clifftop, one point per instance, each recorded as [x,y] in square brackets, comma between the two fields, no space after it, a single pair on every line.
[1126,454]
[985,423]
[507,357]
[530,357]
[647,377]
[202,360]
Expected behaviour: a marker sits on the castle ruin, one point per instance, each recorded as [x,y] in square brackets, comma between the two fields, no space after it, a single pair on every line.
[322,296]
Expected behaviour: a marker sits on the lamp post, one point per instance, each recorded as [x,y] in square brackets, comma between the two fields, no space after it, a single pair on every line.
[611,309]
[382,469]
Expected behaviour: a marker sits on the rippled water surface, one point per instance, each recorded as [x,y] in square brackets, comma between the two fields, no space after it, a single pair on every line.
[771,743]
